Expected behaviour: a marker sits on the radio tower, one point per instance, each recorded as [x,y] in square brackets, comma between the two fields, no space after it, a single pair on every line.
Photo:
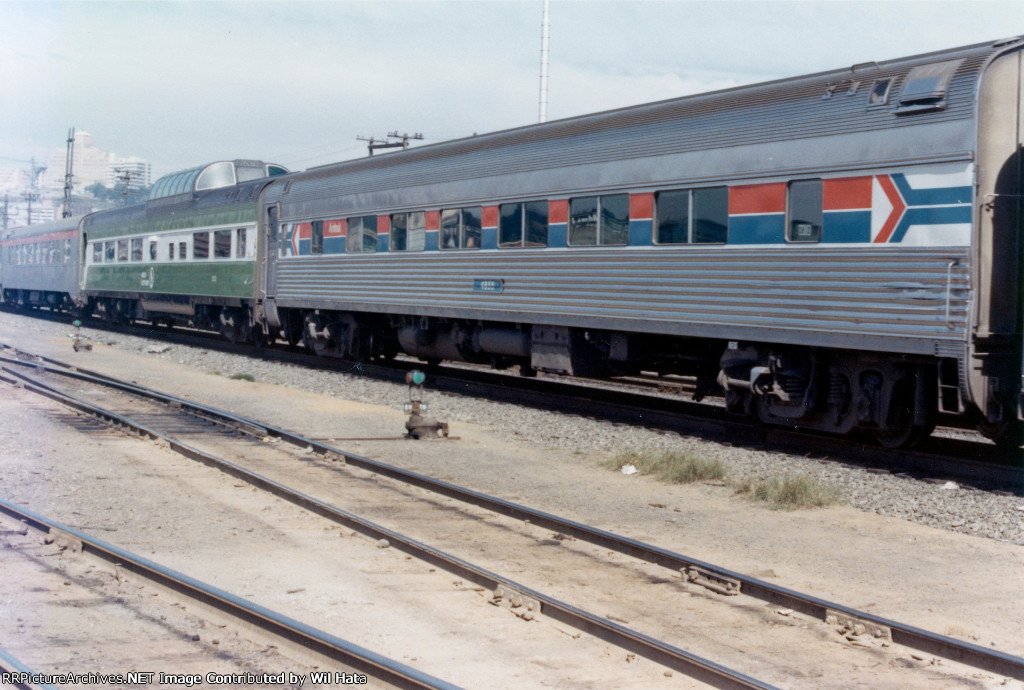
[544,38]
[68,179]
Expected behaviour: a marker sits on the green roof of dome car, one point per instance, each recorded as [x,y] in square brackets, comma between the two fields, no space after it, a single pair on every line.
[213,176]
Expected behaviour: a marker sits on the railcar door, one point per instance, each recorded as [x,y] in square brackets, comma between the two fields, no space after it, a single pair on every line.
[271,244]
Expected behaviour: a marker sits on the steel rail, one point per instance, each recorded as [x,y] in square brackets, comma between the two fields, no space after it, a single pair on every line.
[621,636]
[906,635]
[10,665]
[323,643]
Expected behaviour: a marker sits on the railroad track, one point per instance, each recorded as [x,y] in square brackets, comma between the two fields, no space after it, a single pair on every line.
[289,633]
[696,572]
[972,460]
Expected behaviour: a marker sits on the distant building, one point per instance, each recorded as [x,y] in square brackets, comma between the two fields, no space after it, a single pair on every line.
[140,172]
[90,165]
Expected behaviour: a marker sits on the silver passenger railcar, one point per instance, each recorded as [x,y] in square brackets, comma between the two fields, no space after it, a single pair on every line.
[40,265]
[835,251]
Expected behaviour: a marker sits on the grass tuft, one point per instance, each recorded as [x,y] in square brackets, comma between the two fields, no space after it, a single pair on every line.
[791,491]
[671,466]
[242,377]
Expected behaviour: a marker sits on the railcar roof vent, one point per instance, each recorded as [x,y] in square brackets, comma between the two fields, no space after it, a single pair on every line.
[925,87]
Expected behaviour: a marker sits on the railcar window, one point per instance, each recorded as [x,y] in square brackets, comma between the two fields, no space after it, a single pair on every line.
[182,250]
[673,222]
[316,244]
[222,244]
[67,251]
[170,251]
[200,245]
[110,250]
[241,239]
[460,228]
[136,249]
[152,250]
[698,216]
[523,225]
[122,250]
[710,215]
[879,93]
[362,234]
[510,225]
[598,220]
[804,211]
[408,231]
[583,221]
[97,252]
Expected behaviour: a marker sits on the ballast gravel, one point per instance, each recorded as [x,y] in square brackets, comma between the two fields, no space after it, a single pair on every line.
[942,504]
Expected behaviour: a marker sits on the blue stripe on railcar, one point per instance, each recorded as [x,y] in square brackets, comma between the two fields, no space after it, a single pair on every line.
[334,245]
[846,227]
[489,238]
[557,235]
[758,229]
[641,233]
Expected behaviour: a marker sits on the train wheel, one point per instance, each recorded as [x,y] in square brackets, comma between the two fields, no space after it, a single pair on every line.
[1008,433]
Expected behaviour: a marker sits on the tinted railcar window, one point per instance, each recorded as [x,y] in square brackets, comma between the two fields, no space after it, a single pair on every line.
[472,221]
[110,250]
[510,225]
[97,252]
[460,228]
[182,250]
[67,251]
[804,211]
[416,232]
[316,244]
[398,232]
[222,244]
[122,250]
[362,234]
[152,251]
[614,226]
[369,233]
[450,236]
[536,213]
[711,215]
[200,245]
[136,249]
[170,251]
[673,217]
[583,215]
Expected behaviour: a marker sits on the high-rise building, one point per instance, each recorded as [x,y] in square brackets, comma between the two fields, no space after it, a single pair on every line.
[140,172]
[92,164]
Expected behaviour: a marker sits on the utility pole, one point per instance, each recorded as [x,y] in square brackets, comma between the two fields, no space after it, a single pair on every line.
[68,179]
[4,214]
[389,143]
[545,37]
[125,176]
[33,193]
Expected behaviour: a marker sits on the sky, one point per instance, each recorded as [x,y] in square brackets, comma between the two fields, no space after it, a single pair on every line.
[185,83]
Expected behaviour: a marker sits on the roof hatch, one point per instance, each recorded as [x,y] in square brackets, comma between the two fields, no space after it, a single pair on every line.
[925,87]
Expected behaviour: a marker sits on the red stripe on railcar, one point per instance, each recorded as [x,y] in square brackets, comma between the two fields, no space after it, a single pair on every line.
[558,211]
[757,198]
[433,220]
[641,206]
[335,228]
[489,217]
[48,237]
[384,225]
[846,193]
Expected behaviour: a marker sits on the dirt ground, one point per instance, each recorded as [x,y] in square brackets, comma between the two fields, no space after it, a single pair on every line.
[953,584]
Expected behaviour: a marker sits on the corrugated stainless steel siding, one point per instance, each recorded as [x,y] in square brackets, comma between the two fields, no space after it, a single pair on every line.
[789,110]
[887,294]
